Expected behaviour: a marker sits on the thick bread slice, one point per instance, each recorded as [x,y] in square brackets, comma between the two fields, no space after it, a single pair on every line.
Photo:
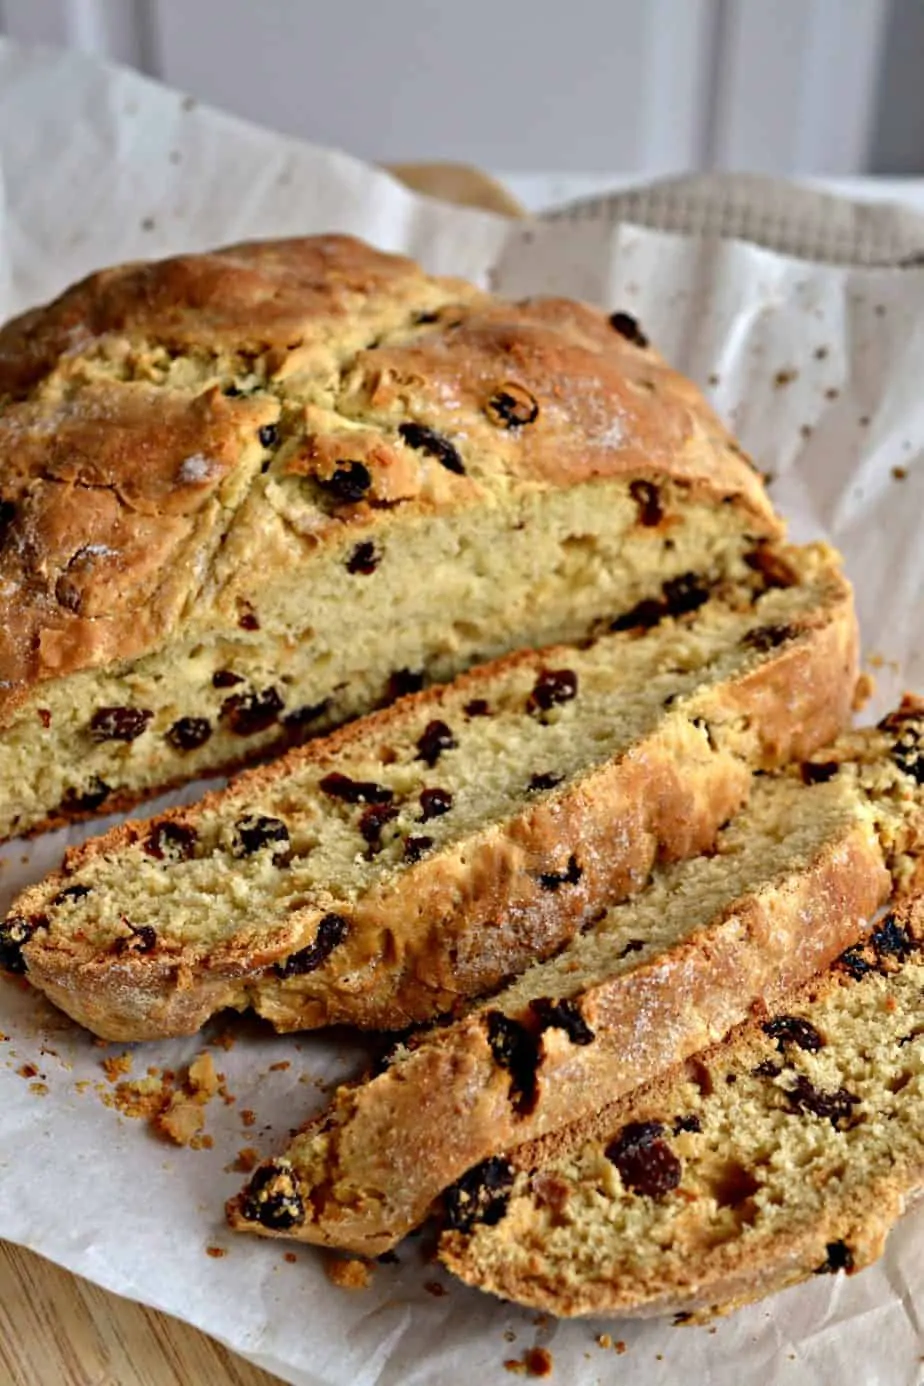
[246,495]
[425,854]
[789,1150]
[652,981]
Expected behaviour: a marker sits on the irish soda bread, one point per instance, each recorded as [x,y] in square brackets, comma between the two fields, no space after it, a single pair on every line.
[645,985]
[249,494]
[425,853]
[787,1151]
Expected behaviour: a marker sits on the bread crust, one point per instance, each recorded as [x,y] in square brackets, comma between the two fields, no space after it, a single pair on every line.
[729,1274]
[670,793]
[124,477]
[394,1143]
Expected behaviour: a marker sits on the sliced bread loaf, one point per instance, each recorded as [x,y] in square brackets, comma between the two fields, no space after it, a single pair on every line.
[786,1151]
[248,494]
[424,854]
[648,983]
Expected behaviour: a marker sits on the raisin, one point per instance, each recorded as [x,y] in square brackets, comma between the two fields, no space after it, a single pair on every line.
[819,772]
[517,1051]
[372,822]
[836,1106]
[691,1122]
[272,1198]
[684,594]
[248,621]
[767,1068]
[512,406]
[246,714]
[648,499]
[908,748]
[363,559]
[436,739]
[853,961]
[434,803]
[422,318]
[119,723]
[891,940]
[256,831]
[477,707]
[44,716]
[553,880]
[175,840]
[635,945]
[142,940]
[553,686]
[838,1257]
[545,781]
[269,435]
[15,931]
[189,733]
[627,327]
[301,716]
[766,638]
[349,483]
[562,1015]
[339,786]
[642,616]
[71,892]
[7,516]
[226,678]
[645,1161]
[232,391]
[415,847]
[427,440]
[481,1195]
[332,930]
[93,797]
[793,1029]
[405,681]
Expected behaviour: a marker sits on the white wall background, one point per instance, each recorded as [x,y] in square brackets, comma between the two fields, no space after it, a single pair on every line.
[648,86]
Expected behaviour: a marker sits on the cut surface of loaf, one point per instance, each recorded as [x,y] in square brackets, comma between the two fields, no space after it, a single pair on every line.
[788,1150]
[213,468]
[424,854]
[650,982]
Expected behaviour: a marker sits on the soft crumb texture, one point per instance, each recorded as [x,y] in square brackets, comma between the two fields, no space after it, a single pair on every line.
[351,881]
[348,1273]
[786,1151]
[212,466]
[793,877]
[116,1066]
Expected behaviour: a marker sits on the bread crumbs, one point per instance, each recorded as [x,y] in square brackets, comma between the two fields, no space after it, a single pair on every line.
[436,1289]
[117,1066]
[534,1362]
[291,1257]
[280,1067]
[215,1251]
[248,1117]
[40,1089]
[27,1071]
[899,473]
[620,1346]
[604,1340]
[348,1273]
[785,377]
[245,1161]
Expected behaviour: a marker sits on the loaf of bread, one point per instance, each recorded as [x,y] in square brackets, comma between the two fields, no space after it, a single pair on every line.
[643,987]
[247,495]
[382,874]
[787,1151]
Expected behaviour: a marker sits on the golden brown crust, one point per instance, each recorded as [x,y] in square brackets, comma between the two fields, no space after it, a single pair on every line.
[669,794]
[125,468]
[395,1142]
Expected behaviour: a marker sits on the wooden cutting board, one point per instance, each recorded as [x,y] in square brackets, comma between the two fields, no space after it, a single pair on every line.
[57,1329]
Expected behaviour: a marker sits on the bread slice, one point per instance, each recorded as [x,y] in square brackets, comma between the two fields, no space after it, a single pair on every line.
[787,1151]
[250,494]
[648,983]
[418,857]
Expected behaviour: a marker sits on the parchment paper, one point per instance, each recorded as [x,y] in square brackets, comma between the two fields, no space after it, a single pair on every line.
[818,367]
